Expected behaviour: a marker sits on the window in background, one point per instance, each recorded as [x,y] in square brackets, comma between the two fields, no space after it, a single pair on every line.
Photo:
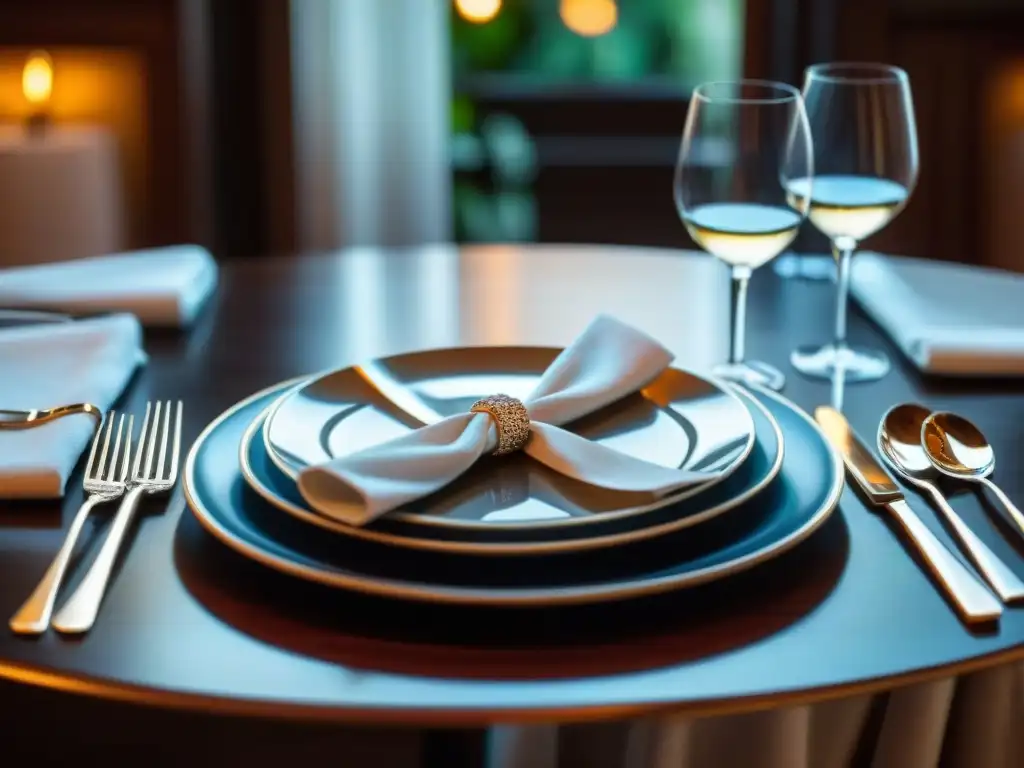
[567,113]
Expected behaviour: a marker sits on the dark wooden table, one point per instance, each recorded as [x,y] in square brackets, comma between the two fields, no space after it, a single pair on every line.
[193,629]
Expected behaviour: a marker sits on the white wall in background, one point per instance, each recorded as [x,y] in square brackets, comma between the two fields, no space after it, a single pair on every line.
[372,96]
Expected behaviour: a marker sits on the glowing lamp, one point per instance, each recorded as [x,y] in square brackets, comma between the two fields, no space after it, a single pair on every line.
[478,11]
[589,18]
[37,86]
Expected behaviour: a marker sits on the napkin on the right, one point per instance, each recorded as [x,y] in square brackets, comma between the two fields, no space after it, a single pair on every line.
[949,319]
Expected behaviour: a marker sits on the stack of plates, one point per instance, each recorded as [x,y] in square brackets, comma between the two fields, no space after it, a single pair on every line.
[512,532]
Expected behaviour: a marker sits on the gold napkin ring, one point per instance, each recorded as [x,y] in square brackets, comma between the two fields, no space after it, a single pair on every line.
[511,419]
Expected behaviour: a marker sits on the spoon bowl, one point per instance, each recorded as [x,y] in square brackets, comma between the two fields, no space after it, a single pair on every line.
[956,447]
[899,440]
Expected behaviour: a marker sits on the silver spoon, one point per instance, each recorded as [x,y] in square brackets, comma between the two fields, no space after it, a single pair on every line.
[899,442]
[958,449]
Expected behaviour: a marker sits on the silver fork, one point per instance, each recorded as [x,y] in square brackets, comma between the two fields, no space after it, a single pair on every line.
[152,473]
[103,482]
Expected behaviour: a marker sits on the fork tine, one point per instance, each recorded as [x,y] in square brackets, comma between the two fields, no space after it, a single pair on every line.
[106,445]
[151,446]
[117,447]
[92,451]
[176,446]
[164,439]
[127,449]
[141,449]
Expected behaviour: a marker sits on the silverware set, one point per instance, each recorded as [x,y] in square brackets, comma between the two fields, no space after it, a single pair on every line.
[115,470]
[920,446]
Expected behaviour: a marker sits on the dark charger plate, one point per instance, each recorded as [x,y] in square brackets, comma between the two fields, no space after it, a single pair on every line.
[793,505]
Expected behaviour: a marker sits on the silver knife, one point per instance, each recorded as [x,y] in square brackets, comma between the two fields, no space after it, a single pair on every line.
[973,601]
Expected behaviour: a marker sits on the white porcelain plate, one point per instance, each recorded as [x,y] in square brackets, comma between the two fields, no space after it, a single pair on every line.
[679,420]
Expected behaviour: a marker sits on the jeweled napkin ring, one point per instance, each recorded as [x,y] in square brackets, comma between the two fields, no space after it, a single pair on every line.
[511,419]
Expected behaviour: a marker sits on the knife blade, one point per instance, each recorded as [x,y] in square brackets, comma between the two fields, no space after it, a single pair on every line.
[970,597]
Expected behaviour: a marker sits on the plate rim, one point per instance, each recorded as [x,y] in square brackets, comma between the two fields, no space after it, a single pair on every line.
[497,549]
[533,597]
[411,518]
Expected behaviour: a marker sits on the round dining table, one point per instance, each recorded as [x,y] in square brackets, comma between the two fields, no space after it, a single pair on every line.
[200,655]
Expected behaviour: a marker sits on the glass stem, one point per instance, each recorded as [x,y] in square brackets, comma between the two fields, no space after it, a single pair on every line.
[740,278]
[842,249]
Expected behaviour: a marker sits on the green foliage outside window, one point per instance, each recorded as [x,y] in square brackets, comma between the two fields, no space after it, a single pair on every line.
[668,41]
[669,44]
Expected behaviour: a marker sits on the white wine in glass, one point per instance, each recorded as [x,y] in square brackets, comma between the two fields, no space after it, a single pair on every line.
[865,144]
[853,206]
[745,210]
[743,234]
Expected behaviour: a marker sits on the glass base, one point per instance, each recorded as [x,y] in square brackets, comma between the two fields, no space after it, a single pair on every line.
[793,267]
[848,363]
[751,372]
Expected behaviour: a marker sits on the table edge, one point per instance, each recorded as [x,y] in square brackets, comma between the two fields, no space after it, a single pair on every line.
[476,716]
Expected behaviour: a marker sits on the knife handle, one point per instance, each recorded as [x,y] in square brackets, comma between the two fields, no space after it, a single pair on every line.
[974,602]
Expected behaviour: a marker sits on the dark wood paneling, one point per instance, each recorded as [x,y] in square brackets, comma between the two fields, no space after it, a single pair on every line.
[276,117]
[197,130]
[153,28]
[218,109]
[237,134]
[251,114]
[951,50]
[251,123]
[782,37]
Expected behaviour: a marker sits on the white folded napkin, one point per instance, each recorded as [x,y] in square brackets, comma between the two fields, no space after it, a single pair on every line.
[607,362]
[950,319]
[163,287]
[58,364]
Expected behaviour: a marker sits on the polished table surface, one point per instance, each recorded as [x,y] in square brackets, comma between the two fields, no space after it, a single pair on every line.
[188,623]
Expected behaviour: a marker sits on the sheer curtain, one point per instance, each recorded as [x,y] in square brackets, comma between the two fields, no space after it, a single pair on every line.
[372,91]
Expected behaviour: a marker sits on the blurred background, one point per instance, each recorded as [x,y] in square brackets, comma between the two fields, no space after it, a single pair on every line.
[260,127]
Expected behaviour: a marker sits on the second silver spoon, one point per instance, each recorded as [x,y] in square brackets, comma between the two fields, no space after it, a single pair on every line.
[958,448]
[899,442]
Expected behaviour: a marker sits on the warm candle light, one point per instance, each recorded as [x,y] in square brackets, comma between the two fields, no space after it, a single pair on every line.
[478,11]
[37,79]
[589,18]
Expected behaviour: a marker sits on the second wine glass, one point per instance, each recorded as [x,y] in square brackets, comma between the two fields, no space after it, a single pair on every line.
[744,144]
[865,144]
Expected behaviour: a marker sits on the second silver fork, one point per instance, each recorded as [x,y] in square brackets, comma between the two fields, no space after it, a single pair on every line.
[103,482]
[153,471]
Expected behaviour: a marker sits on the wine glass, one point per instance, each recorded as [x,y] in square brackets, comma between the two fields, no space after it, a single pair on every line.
[744,144]
[865,157]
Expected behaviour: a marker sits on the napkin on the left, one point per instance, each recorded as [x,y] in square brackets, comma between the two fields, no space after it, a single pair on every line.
[163,287]
[58,364]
